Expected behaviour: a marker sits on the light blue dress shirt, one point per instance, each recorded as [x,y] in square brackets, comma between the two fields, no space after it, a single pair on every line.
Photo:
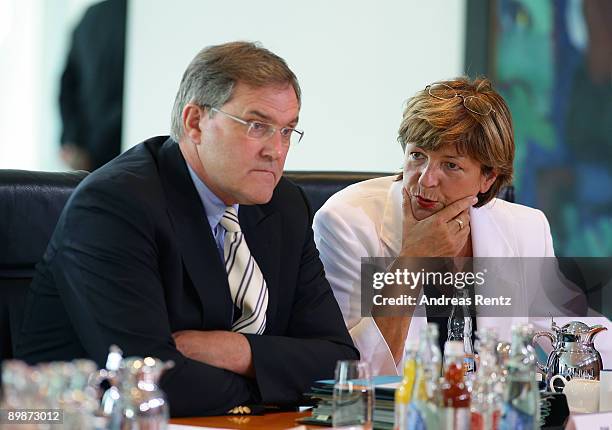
[214,207]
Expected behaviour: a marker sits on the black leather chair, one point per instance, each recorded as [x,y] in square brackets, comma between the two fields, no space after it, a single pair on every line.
[30,204]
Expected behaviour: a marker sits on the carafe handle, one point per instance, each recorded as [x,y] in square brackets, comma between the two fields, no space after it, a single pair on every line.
[553,387]
[551,337]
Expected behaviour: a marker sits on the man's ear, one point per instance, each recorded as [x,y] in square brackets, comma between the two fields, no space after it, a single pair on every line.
[192,122]
[486,180]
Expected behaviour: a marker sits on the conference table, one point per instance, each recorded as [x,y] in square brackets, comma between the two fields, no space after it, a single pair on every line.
[286,420]
[267,421]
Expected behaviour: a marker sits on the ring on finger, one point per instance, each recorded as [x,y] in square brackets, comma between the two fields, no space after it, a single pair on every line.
[460,223]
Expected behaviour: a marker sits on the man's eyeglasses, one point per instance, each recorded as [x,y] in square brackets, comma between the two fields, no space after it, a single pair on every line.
[264,131]
[475,104]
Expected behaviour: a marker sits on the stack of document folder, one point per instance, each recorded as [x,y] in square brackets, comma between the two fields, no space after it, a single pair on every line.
[384,392]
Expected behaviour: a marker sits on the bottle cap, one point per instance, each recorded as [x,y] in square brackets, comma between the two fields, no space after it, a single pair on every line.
[412,345]
[115,356]
[431,329]
[454,347]
[523,329]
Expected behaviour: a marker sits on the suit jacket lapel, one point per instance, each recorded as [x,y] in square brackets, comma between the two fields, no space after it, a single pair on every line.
[195,239]
[262,231]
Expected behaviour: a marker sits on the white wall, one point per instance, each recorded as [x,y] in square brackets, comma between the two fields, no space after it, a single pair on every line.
[357,63]
[19,60]
[34,39]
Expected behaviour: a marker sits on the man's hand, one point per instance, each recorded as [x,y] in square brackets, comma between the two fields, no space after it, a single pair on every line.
[223,349]
[443,234]
[75,157]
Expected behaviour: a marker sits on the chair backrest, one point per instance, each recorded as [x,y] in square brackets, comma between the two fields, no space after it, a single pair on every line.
[320,186]
[30,205]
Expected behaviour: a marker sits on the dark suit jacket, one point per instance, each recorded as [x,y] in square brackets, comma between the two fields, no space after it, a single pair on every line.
[133,260]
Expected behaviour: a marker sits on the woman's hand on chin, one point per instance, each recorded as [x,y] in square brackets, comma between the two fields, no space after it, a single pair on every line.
[443,234]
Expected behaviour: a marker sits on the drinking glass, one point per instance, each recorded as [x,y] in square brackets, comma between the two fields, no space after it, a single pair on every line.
[353,400]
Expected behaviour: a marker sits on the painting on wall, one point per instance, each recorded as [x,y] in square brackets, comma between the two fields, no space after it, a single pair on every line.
[552,61]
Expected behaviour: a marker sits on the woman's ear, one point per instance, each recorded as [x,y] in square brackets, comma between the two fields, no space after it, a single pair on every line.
[487,179]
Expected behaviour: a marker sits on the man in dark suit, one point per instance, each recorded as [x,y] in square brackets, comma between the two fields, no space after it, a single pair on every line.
[150,255]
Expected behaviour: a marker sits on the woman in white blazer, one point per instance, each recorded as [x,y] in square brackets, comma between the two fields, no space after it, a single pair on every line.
[459,151]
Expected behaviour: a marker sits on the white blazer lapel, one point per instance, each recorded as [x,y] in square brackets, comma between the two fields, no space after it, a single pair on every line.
[391,226]
[489,239]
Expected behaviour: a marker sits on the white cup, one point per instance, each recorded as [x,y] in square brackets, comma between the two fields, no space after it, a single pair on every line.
[582,394]
[605,390]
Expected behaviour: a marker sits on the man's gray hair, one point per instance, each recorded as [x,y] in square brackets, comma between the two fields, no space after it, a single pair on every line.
[211,76]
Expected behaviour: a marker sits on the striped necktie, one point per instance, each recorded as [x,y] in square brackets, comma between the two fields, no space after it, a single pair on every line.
[246,282]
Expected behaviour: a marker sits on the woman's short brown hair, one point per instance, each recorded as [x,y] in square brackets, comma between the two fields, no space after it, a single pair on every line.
[431,123]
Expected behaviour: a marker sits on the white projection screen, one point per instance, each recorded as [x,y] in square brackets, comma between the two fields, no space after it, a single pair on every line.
[357,63]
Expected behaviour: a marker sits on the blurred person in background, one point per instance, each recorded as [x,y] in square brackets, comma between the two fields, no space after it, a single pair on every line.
[91,93]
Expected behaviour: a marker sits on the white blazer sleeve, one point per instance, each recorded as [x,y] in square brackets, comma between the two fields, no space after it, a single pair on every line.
[549,250]
[341,247]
